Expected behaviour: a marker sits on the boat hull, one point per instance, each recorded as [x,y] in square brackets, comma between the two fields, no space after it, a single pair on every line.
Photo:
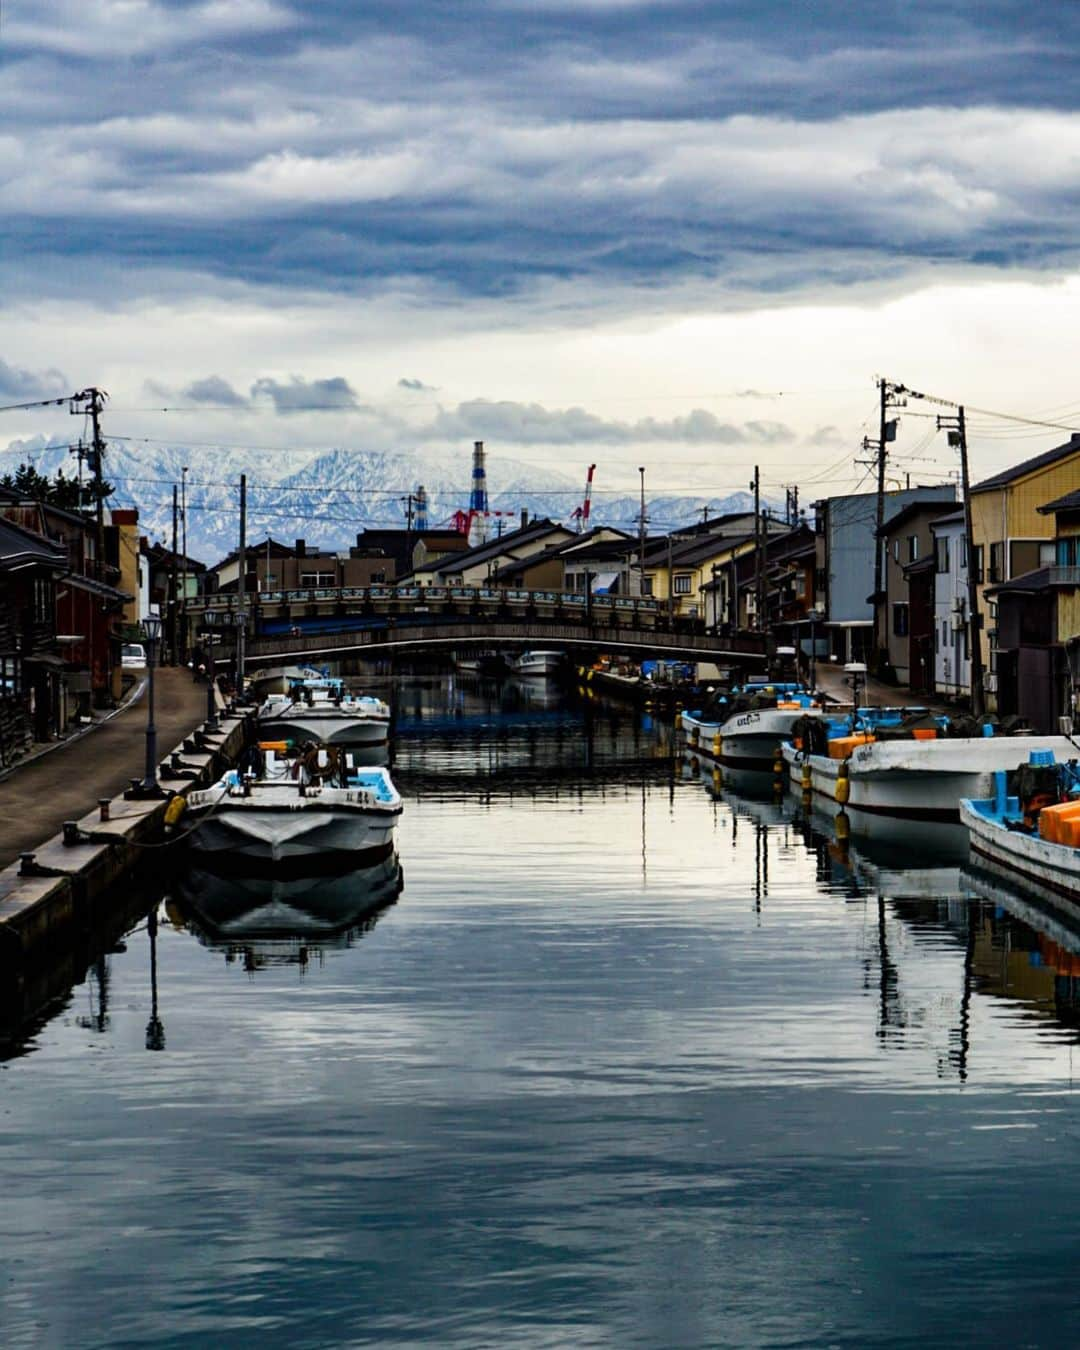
[750,740]
[918,780]
[329,728]
[1055,867]
[537,663]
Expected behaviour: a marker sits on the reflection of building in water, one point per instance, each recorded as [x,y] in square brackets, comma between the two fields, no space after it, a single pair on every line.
[468,735]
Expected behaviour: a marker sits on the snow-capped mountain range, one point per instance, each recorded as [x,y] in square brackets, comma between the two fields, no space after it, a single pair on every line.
[327,498]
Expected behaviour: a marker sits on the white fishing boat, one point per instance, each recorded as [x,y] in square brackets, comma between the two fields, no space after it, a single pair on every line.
[1031,834]
[745,730]
[916,779]
[537,663]
[322,710]
[304,813]
[279,679]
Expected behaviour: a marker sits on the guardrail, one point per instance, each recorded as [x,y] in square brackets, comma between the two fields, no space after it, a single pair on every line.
[425,599]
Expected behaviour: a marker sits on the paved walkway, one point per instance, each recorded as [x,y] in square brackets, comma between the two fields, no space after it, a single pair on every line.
[832,681]
[40,794]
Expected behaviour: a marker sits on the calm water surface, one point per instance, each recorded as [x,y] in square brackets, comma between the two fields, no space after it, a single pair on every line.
[630,1061]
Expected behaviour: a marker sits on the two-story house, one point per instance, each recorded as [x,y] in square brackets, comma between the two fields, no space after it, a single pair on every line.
[908,582]
[32,703]
[1012,536]
[952,657]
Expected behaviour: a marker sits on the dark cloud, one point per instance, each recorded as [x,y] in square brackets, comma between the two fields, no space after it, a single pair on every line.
[300,395]
[416,386]
[213,389]
[23,386]
[484,147]
[533,424]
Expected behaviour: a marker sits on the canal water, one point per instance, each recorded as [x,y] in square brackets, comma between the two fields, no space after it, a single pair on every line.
[632,1058]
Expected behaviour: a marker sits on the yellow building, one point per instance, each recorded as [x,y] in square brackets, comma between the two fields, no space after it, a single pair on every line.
[1010,535]
[679,573]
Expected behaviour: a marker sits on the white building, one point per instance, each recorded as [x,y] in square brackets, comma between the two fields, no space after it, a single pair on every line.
[952,664]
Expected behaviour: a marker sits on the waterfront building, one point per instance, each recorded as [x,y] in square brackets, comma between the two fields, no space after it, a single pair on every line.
[1012,536]
[908,598]
[845,527]
[952,658]
[1037,638]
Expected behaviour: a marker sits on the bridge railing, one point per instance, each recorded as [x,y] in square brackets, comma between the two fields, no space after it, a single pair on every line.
[407,599]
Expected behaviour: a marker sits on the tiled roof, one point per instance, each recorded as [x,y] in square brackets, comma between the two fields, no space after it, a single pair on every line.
[1043,461]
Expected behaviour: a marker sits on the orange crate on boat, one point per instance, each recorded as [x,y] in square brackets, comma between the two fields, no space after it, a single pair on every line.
[1052,820]
[925,733]
[841,746]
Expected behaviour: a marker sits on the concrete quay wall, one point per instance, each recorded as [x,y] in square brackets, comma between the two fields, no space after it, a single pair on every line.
[48,896]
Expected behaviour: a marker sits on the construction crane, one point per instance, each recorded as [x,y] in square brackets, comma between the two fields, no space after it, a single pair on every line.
[581,513]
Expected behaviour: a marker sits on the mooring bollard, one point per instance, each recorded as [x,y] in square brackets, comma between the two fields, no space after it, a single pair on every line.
[103,808]
[26,864]
[71,833]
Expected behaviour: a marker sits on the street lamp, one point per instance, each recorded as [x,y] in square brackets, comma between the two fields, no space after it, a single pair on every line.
[240,619]
[149,787]
[211,701]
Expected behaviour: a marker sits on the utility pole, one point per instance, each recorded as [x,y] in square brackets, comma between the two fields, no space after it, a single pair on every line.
[641,534]
[183,593]
[957,432]
[759,574]
[888,399]
[93,400]
[241,588]
[173,629]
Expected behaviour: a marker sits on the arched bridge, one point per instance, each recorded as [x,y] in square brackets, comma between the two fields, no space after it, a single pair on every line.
[343,621]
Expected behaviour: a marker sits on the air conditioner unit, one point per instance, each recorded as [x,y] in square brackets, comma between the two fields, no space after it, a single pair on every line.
[956,622]
[990,682]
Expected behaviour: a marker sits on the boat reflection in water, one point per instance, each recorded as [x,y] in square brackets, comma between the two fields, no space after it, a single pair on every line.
[275,921]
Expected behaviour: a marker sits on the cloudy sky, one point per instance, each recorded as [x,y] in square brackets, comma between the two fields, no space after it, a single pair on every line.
[684,235]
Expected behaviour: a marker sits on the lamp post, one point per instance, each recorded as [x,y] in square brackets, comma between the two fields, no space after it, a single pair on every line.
[211,701]
[814,615]
[240,619]
[152,628]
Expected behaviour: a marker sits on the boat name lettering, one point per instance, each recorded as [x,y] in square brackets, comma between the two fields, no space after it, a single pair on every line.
[748,720]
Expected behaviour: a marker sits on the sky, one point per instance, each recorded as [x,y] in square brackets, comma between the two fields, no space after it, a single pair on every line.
[687,236]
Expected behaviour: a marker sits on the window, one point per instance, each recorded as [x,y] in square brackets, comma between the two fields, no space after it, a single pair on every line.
[977,563]
[378,578]
[896,550]
[945,634]
[912,547]
[682,583]
[318,578]
[963,550]
[900,619]
[941,552]
[1047,554]
[42,601]
[997,563]
[646,585]
[1066,552]
[9,676]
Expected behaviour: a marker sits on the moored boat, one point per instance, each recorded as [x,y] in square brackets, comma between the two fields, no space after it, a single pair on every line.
[305,813]
[918,777]
[1033,831]
[322,710]
[744,729]
[279,679]
[537,663]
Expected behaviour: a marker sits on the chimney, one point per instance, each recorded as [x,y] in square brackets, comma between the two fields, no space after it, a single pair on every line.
[478,501]
[524,516]
[301,548]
